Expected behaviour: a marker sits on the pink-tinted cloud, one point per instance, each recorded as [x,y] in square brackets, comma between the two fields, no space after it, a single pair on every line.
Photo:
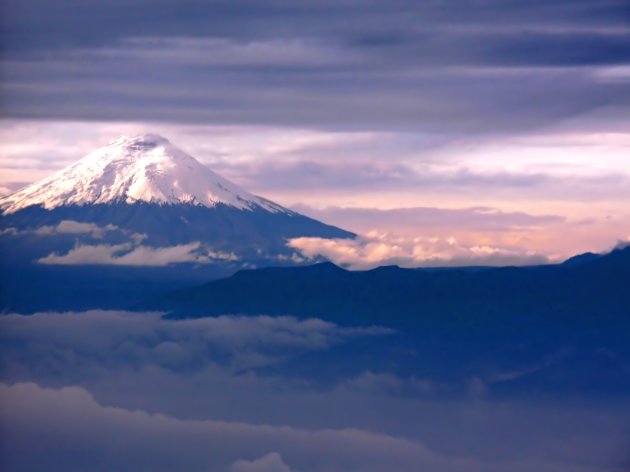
[377,249]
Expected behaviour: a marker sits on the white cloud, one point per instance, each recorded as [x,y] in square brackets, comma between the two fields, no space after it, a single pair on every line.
[370,382]
[384,383]
[272,462]
[225,52]
[130,253]
[243,342]
[76,227]
[222,256]
[377,249]
[127,255]
[614,74]
[9,231]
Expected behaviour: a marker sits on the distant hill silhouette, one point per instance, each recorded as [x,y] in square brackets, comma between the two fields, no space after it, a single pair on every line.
[557,329]
[590,285]
[547,330]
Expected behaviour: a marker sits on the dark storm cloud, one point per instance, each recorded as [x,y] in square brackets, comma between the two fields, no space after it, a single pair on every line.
[441,66]
[38,24]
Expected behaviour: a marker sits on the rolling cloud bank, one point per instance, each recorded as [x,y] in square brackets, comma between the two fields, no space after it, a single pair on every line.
[95,389]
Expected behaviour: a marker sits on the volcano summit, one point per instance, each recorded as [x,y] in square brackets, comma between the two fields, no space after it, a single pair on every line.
[132,169]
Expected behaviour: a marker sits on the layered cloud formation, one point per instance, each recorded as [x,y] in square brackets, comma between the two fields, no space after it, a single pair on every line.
[122,391]
[374,249]
[129,251]
[151,339]
[423,66]
[127,255]
[74,420]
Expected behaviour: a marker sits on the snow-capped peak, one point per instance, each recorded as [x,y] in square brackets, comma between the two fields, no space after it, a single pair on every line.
[130,169]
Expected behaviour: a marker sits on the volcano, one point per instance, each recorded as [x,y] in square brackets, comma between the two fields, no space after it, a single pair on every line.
[143,205]
[147,186]
[132,169]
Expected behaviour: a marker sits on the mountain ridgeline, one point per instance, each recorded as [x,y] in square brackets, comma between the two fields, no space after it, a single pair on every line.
[556,329]
[597,286]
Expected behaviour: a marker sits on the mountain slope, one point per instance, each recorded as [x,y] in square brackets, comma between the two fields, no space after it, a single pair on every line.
[146,185]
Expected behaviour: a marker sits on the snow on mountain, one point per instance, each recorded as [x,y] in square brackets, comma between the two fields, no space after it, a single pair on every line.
[130,169]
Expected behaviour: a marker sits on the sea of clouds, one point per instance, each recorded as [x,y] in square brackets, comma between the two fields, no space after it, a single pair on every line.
[111,390]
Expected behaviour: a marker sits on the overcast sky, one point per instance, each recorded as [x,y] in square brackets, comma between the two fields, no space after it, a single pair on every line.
[517,106]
